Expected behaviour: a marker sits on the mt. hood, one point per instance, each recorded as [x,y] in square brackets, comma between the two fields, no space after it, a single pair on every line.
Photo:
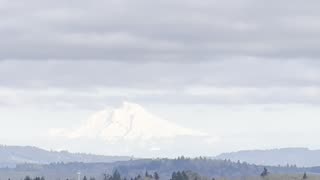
[128,122]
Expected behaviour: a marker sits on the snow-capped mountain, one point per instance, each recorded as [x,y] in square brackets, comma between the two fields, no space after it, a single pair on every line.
[132,130]
[128,122]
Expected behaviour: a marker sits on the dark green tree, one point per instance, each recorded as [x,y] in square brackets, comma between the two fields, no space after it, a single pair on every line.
[116,175]
[137,177]
[305,176]
[179,176]
[174,176]
[107,176]
[184,176]
[156,176]
[265,172]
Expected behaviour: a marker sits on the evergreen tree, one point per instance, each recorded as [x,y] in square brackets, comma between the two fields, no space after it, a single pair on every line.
[179,176]
[116,175]
[305,176]
[85,178]
[174,176]
[184,175]
[105,176]
[156,176]
[264,172]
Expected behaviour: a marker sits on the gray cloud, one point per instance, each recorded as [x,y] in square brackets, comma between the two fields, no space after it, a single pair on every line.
[237,72]
[164,30]
[173,51]
[94,84]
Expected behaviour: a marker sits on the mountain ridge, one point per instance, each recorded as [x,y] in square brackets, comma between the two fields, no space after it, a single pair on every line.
[10,156]
[163,166]
[299,156]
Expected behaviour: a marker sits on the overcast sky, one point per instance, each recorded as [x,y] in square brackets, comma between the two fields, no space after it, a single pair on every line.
[225,67]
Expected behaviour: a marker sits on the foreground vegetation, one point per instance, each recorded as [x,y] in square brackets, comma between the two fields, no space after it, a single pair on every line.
[277,177]
[189,175]
[158,169]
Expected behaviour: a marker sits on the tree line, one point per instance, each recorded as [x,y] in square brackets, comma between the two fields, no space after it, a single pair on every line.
[176,175]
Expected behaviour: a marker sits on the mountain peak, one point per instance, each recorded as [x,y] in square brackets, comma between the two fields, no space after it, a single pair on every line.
[131,106]
[130,122]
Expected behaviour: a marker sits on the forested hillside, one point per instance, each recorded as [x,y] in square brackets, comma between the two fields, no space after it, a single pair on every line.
[130,169]
[302,157]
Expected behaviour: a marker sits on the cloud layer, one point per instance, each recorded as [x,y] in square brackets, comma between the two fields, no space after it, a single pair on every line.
[168,30]
[94,84]
[173,51]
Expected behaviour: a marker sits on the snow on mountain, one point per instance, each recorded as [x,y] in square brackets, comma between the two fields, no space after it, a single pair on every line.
[128,122]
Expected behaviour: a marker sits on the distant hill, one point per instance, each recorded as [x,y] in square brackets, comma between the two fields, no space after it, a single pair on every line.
[165,167]
[26,160]
[10,156]
[301,157]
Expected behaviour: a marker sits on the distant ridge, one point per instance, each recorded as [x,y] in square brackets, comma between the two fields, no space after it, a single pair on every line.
[302,157]
[164,167]
[10,156]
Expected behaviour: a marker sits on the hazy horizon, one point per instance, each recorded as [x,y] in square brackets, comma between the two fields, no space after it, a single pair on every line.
[262,139]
